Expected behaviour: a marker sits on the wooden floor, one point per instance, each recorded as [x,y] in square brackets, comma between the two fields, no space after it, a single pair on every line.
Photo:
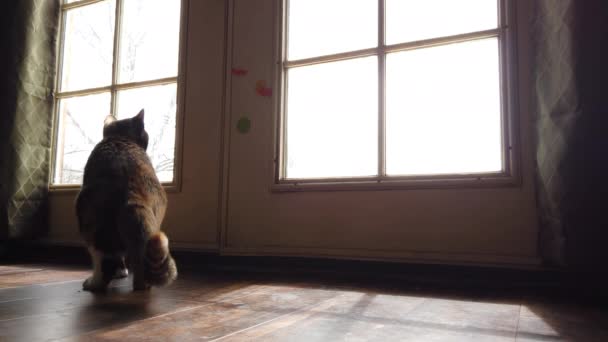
[41,303]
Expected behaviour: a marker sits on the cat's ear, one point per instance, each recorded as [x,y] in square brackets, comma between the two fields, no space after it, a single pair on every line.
[140,116]
[109,119]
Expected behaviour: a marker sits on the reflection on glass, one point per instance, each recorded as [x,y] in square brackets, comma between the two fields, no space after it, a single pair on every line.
[149,45]
[443,110]
[322,27]
[89,40]
[159,103]
[332,119]
[411,20]
[80,129]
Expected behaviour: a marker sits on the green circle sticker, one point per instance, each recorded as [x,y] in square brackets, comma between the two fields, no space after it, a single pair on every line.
[243,125]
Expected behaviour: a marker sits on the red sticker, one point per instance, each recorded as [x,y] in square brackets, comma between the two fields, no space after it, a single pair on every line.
[239,71]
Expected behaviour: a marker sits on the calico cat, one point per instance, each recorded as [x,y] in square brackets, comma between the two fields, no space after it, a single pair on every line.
[120,209]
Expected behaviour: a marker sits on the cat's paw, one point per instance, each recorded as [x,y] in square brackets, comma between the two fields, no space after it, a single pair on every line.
[94,285]
[121,273]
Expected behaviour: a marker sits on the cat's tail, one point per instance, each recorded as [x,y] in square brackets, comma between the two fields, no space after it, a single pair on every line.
[159,266]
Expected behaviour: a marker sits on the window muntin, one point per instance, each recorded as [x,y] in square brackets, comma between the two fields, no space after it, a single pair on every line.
[116,57]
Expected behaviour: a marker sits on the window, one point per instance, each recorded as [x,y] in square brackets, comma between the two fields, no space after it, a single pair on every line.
[116,57]
[386,90]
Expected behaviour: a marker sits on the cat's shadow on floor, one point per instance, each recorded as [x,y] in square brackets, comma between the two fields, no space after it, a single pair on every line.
[118,305]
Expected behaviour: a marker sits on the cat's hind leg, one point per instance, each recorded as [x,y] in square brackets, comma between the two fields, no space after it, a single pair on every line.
[96,282]
[136,263]
[113,267]
[121,269]
[136,224]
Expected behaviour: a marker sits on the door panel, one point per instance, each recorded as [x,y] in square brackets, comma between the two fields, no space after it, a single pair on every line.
[227,175]
[487,225]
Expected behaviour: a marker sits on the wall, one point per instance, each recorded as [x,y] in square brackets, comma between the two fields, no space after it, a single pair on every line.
[226,201]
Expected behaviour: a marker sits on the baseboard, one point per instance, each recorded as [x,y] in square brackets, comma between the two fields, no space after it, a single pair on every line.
[410,257]
[204,247]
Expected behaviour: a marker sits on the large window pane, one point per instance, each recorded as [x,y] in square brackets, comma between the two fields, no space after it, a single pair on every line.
[89,41]
[332,119]
[149,45]
[411,20]
[443,110]
[322,27]
[159,103]
[80,129]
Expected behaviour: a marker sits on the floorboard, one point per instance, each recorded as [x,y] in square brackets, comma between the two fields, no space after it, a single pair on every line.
[41,302]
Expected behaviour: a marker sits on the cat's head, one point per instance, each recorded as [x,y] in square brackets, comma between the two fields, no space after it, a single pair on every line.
[132,129]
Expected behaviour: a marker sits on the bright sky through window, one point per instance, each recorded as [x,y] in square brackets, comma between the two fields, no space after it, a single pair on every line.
[440,109]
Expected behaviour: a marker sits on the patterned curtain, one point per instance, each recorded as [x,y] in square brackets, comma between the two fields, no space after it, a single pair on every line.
[28,34]
[570,71]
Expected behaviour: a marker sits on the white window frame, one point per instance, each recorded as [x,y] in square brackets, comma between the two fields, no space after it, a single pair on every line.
[116,86]
[508,176]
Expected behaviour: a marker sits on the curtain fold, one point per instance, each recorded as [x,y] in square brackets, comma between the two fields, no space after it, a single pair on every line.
[570,72]
[27,60]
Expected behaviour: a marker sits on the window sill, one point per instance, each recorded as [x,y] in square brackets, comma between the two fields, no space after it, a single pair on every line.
[74,189]
[395,183]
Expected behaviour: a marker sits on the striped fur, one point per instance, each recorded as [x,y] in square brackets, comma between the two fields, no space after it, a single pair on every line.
[159,267]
